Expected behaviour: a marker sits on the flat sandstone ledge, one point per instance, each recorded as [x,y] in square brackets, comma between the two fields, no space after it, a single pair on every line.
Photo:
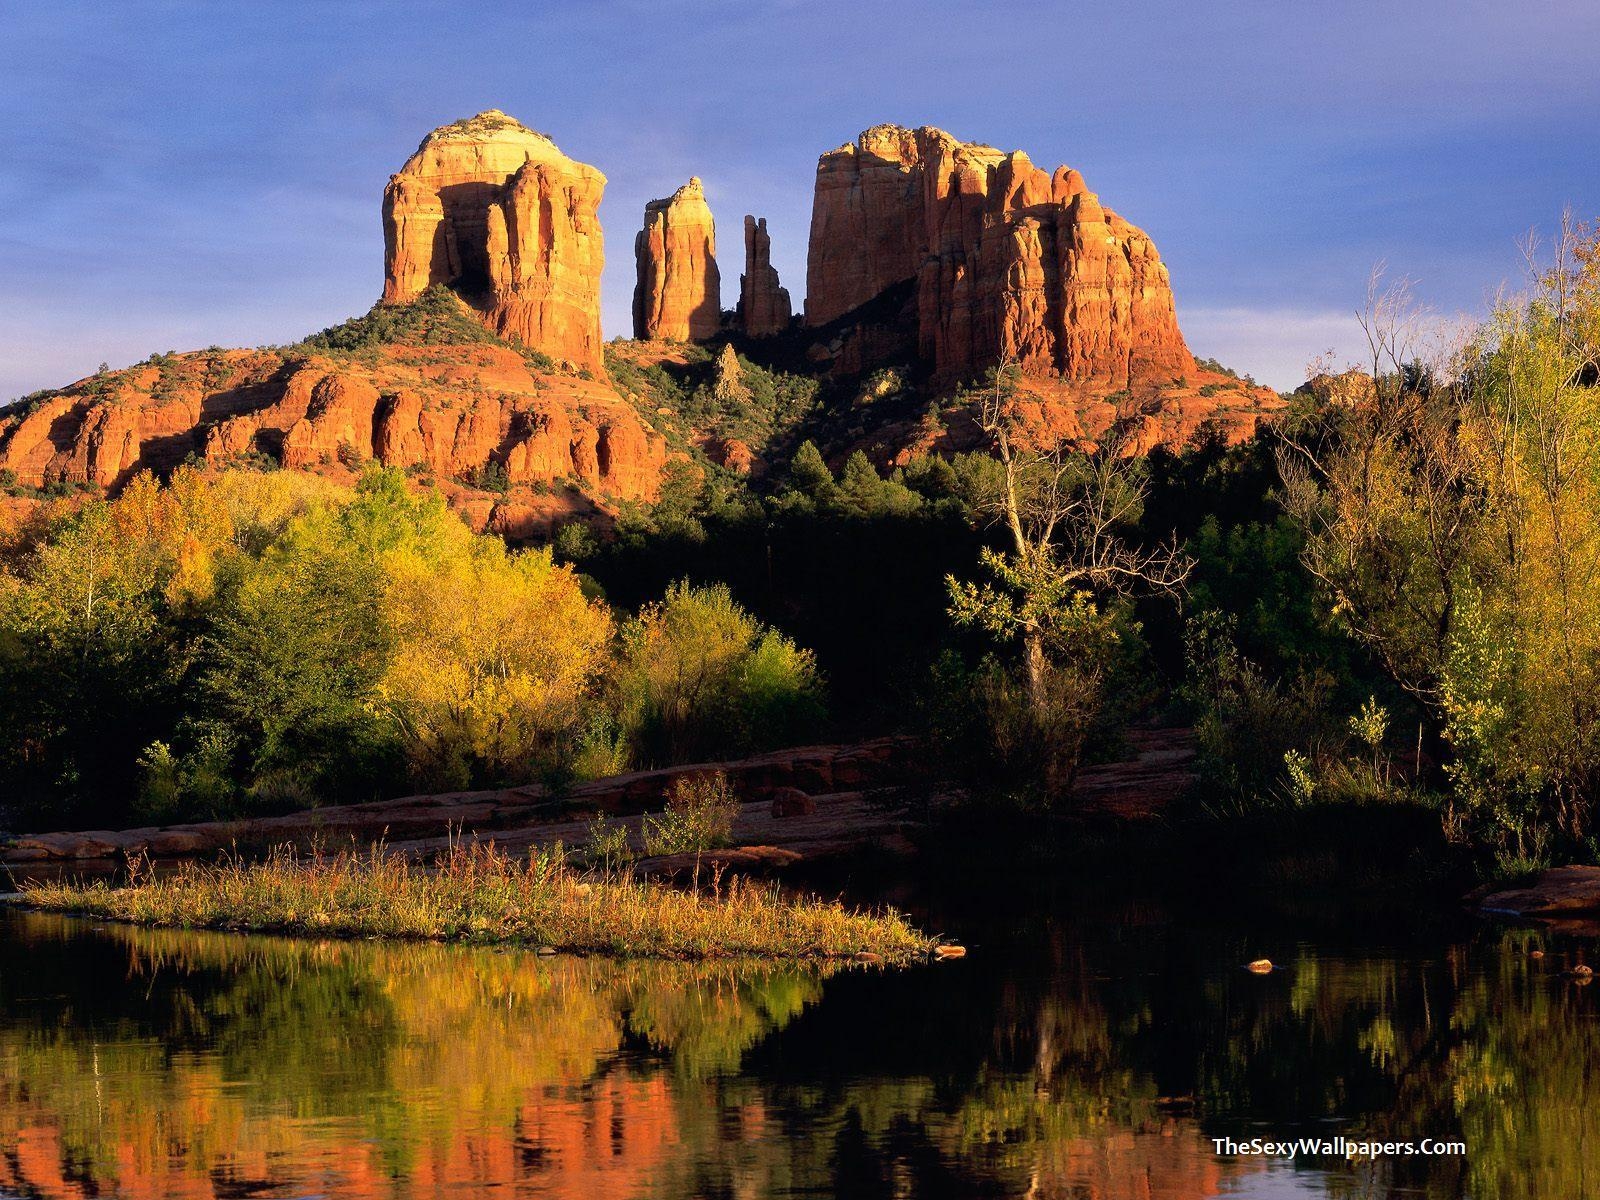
[1559,891]
[847,803]
[427,820]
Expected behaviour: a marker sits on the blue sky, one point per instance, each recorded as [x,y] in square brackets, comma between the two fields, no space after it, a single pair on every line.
[178,174]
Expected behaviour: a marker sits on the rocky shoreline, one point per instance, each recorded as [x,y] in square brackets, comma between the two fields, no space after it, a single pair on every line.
[1558,892]
[802,804]
[836,778]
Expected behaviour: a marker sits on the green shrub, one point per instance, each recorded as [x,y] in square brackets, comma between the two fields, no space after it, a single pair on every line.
[1245,721]
[438,317]
[1012,749]
[607,848]
[698,677]
[699,816]
[291,664]
[574,541]
[491,477]
[601,748]
[196,785]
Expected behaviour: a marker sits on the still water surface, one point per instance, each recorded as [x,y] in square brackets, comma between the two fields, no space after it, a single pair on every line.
[1092,1057]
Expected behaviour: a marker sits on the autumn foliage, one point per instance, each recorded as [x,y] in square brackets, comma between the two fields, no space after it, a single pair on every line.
[250,641]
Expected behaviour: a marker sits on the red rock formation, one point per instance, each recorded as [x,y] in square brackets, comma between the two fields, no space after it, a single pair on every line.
[451,409]
[1003,260]
[103,429]
[732,454]
[868,231]
[497,212]
[679,293]
[489,208]
[763,304]
[338,421]
[955,253]
[1136,420]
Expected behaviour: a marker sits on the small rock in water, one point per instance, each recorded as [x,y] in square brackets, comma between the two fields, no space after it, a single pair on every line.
[1535,953]
[1582,972]
[867,956]
[949,950]
[1261,966]
[546,951]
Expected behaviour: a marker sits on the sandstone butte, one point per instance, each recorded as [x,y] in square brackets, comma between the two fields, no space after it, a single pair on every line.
[493,210]
[980,257]
[1350,388]
[489,208]
[764,307]
[678,296]
[925,251]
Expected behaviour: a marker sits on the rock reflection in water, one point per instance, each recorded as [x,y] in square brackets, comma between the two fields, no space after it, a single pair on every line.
[148,1063]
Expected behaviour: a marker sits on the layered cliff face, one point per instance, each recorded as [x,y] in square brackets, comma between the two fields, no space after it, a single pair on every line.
[678,296]
[922,248]
[496,212]
[459,412]
[764,307]
[1003,260]
[958,256]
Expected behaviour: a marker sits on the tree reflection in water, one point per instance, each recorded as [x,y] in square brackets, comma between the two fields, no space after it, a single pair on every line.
[1099,1063]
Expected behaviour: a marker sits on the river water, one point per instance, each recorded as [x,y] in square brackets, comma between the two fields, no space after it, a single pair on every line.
[1093,1055]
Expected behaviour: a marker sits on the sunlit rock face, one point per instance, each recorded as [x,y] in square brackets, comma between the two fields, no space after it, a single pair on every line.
[1349,389]
[498,213]
[953,257]
[764,307]
[452,410]
[1003,261]
[490,210]
[678,296]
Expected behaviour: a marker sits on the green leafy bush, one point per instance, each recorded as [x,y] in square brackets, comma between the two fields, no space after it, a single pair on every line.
[699,816]
[699,677]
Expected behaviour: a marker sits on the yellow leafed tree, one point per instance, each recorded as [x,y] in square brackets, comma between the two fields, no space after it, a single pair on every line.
[495,659]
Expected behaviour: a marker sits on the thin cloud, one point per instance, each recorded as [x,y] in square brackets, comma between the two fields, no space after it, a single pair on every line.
[1275,345]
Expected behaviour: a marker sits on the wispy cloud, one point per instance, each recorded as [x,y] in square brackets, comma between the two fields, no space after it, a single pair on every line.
[1273,344]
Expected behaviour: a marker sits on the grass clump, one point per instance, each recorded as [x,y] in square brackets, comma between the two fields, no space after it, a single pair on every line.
[475,893]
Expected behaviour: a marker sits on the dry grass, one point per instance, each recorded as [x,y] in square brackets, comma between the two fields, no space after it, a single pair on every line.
[476,894]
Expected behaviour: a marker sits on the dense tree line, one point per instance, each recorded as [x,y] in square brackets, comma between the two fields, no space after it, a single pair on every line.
[1389,596]
[1452,519]
[258,641]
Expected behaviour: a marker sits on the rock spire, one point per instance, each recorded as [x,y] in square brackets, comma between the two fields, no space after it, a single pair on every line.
[678,296]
